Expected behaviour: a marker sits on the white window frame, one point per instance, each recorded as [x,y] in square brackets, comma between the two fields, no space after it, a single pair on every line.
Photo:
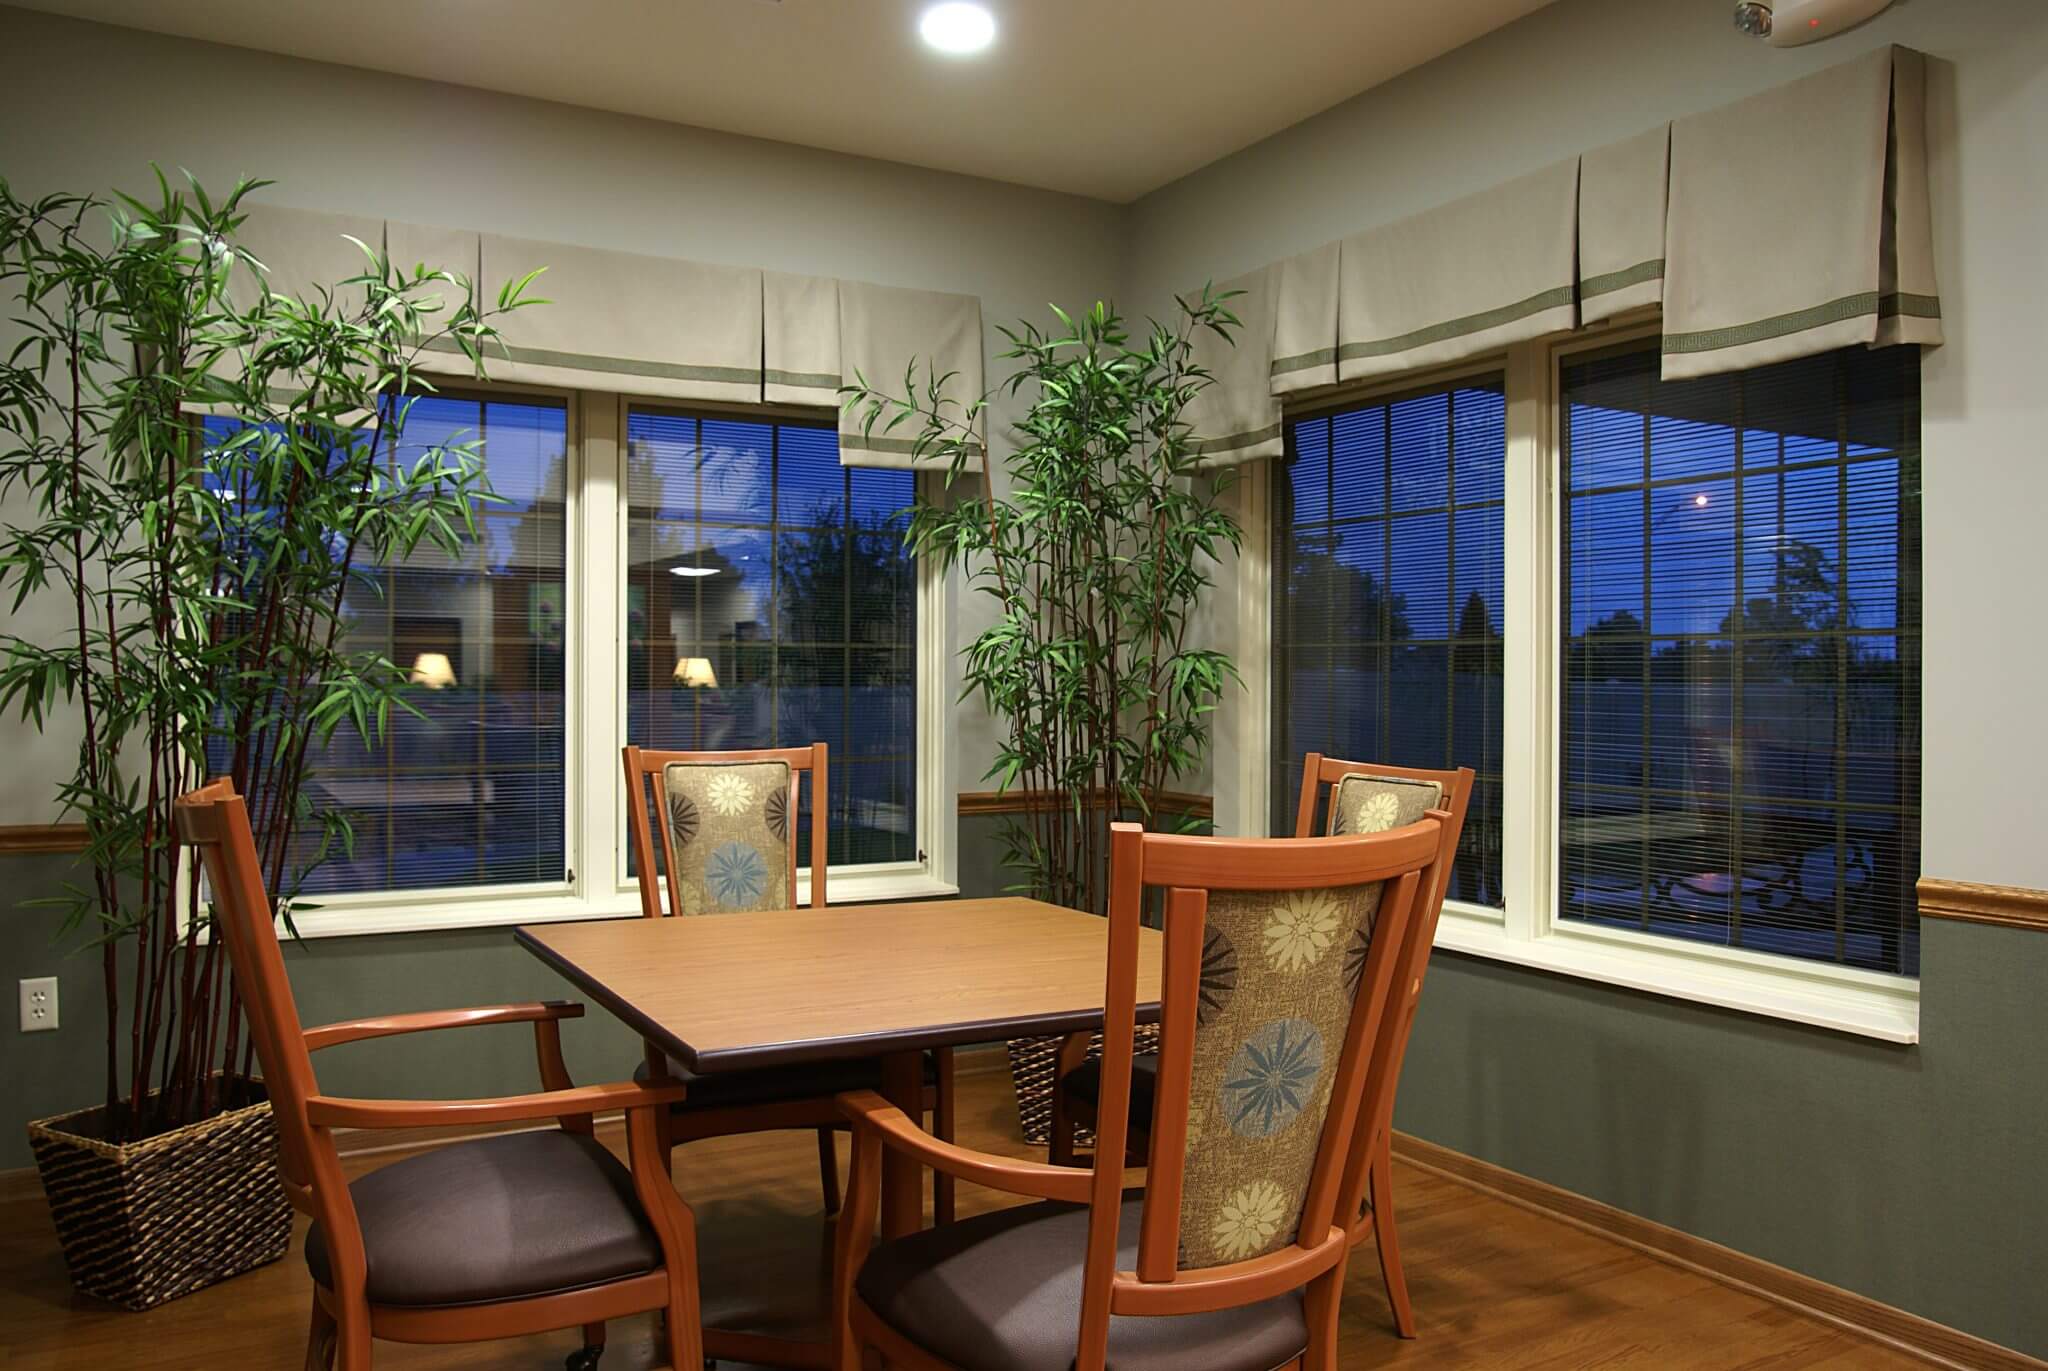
[594,826]
[1529,932]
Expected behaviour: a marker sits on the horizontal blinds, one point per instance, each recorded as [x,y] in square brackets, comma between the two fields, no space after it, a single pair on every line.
[1798,221]
[1741,654]
[1621,225]
[895,338]
[622,321]
[1235,417]
[467,788]
[1460,280]
[770,603]
[1387,600]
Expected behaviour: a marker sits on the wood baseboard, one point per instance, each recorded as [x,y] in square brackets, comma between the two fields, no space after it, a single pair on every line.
[1934,1343]
[2013,906]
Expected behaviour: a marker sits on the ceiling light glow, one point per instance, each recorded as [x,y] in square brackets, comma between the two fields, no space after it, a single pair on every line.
[958,27]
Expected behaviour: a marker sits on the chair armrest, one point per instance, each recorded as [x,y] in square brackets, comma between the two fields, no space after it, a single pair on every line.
[869,1112]
[326,1111]
[390,1025]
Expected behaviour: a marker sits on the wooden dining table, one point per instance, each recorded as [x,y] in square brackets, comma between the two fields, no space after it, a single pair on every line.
[733,992]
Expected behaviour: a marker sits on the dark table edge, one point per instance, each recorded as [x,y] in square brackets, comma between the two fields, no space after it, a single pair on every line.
[816,1049]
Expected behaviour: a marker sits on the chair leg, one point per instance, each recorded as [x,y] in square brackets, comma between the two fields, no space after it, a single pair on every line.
[943,1113]
[320,1339]
[828,1169]
[1059,1146]
[1322,1299]
[1389,1241]
[586,1357]
[352,1340]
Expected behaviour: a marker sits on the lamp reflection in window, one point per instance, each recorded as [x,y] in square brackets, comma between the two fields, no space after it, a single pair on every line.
[433,670]
[695,673]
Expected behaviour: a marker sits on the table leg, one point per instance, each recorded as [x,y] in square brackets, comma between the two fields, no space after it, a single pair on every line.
[902,1176]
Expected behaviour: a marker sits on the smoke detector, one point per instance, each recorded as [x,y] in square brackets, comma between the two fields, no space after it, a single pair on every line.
[1790,23]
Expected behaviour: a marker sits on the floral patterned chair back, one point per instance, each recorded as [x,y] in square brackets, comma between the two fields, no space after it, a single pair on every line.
[727,824]
[1273,991]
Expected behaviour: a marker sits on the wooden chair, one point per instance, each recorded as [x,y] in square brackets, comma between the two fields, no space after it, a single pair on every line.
[681,806]
[1394,795]
[498,1237]
[1277,976]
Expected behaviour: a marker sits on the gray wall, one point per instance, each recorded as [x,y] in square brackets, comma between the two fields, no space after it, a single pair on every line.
[1909,1174]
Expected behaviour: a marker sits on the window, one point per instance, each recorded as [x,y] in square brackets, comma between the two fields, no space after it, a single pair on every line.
[1387,612]
[1741,646]
[470,790]
[770,603]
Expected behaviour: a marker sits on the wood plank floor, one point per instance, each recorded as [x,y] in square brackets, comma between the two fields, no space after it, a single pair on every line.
[1494,1286]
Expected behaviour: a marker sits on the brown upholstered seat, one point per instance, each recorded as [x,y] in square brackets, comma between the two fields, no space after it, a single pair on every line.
[1002,1292]
[720,1088]
[494,1219]
[1083,1085]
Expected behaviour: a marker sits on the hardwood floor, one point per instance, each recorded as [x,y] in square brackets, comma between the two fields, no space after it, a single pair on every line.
[1494,1285]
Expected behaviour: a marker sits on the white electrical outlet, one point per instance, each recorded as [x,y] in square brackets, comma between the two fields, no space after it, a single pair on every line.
[39,1004]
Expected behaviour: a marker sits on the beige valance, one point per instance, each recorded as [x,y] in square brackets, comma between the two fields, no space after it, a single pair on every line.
[799,339]
[886,333]
[1799,221]
[1465,278]
[1305,321]
[305,251]
[621,321]
[1236,417]
[1621,225]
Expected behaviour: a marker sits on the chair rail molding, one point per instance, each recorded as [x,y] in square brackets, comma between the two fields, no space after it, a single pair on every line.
[2013,906]
[20,840]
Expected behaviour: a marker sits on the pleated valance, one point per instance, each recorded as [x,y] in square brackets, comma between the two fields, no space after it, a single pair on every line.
[800,337]
[1236,417]
[1790,224]
[1621,225]
[621,321]
[303,251]
[888,334]
[1799,221]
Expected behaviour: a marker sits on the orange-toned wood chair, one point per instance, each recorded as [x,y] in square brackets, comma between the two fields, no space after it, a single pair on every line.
[1363,797]
[498,1237]
[708,864]
[1277,977]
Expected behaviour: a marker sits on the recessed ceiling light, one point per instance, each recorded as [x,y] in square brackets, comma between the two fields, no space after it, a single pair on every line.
[957,27]
[693,571]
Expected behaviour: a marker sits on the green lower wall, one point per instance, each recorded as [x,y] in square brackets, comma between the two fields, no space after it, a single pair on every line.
[1912,1175]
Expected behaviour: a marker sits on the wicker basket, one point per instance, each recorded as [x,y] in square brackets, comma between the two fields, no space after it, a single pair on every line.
[1031,1069]
[145,1222]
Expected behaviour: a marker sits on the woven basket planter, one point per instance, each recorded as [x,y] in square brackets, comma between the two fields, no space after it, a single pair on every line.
[1031,1068]
[145,1222]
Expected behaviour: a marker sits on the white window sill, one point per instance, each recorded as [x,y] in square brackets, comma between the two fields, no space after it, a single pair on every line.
[1867,1005]
[346,919]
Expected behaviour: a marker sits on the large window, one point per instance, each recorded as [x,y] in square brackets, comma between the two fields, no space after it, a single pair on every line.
[468,788]
[1741,648]
[770,603]
[1387,611]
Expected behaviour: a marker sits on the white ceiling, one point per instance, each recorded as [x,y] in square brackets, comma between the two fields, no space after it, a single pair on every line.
[1107,98]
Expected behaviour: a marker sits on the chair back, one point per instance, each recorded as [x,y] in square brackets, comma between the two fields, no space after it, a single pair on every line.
[1278,965]
[727,823]
[1364,795]
[215,821]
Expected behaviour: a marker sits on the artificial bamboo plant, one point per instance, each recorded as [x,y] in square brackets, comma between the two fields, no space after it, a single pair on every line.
[1097,549]
[198,468]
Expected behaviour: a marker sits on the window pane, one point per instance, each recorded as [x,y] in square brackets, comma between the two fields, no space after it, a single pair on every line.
[469,790]
[1387,609]
[1741,630]
[782,576]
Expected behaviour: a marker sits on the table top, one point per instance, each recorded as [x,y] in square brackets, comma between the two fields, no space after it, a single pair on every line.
[729,992]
